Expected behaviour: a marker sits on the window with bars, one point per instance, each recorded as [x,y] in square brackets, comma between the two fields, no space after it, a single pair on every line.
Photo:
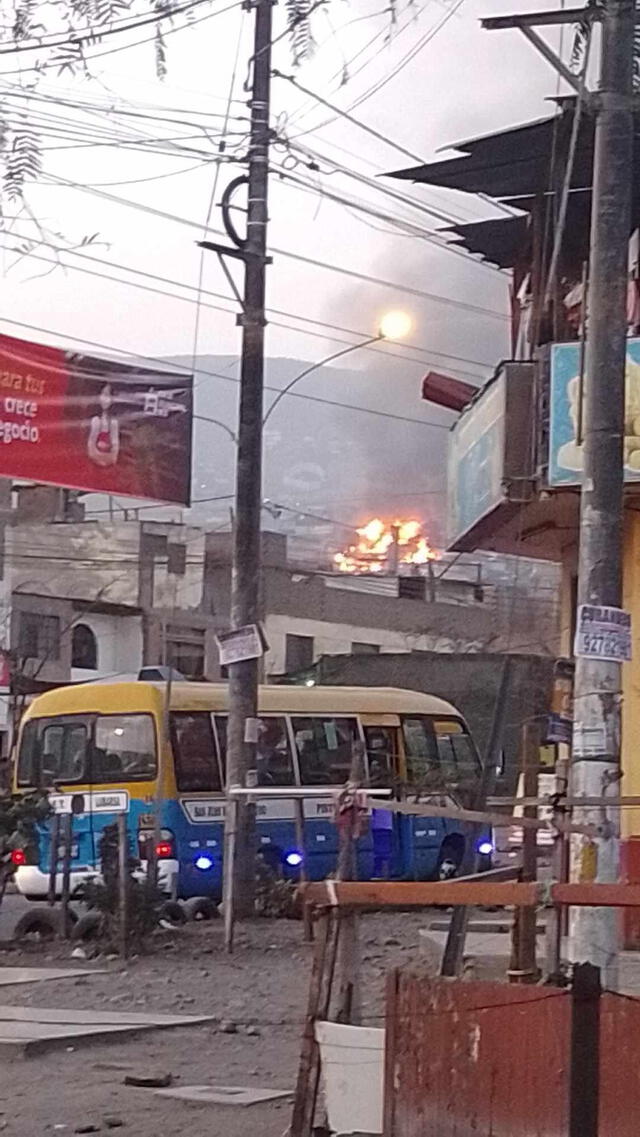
[39,636]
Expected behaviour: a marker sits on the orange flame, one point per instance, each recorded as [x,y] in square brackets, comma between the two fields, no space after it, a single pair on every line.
[382,545]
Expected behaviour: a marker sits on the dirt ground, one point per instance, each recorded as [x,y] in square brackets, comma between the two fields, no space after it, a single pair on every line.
[257,998]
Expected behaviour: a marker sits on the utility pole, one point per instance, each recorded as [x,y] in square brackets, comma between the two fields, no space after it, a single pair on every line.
[245,583]
[246,548]
[596,738]
[595,770]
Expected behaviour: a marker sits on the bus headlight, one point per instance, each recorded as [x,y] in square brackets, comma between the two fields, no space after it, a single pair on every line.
[485,848]
[294,858]
[203,862]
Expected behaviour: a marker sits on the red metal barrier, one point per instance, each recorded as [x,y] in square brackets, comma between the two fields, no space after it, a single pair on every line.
[473,1059]
[491,1060]
[619,1066]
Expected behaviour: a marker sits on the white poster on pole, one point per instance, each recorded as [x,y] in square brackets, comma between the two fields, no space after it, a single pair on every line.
[603,633]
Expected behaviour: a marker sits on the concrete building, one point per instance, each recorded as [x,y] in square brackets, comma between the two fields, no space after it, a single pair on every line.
[81,600]
[516,449]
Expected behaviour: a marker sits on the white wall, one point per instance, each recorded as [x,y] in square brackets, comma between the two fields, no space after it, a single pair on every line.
[119,645]
[336,639]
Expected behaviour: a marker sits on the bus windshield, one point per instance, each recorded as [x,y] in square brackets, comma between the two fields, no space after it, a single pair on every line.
[97,749]
[440,754]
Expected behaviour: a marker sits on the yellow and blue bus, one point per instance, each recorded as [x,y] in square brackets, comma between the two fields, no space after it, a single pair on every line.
[108,742]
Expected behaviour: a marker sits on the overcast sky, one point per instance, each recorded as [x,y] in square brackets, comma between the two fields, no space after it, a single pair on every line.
[461,83]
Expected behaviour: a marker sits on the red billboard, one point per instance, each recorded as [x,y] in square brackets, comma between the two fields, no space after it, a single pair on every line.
[93,424]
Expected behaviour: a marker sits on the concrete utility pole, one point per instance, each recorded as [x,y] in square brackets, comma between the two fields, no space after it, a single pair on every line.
[596,741]
[245,584]
[595,767]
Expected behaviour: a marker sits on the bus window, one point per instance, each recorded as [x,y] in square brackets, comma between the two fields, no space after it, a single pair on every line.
[423,767]
[381,754]
[194,752]
[324,749]
[124,748]
[274,763]
[458,756]
[53,750]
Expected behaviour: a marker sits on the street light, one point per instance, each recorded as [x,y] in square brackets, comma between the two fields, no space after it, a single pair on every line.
[395,325]
[392,326]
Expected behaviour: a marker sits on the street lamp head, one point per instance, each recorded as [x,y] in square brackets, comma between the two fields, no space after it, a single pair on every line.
[394,325]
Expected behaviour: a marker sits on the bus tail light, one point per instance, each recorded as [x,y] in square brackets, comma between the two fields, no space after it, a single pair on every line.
[18,857]
[164,849]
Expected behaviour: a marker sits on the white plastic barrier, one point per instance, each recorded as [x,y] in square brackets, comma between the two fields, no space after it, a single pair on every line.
[352,1060]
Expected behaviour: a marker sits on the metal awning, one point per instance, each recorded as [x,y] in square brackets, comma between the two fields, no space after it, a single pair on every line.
[517,162]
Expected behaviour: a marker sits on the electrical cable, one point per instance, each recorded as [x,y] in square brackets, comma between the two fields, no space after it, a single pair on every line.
[38,68]
[382,349]
[212,196]
[219,375]
[354,275]
[348,117]
[93,35]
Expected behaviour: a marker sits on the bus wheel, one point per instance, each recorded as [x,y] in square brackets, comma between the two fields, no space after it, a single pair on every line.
[450,858]
[87,928]
[172,912]
[200,908]
[42,924]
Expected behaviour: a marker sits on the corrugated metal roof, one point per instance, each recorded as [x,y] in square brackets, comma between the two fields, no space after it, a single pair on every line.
[511,163]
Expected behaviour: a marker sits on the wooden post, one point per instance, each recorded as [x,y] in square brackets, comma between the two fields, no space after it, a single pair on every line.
[349,1006]
[66,827]
[523,967]
[123,884]
[304,1098]
[53,858]
[584,1074]
[559,868]
[230,827]
[389,1099]
[453,954]
[298,806]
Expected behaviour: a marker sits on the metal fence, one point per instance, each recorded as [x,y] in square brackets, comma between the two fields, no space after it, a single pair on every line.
[491,1060]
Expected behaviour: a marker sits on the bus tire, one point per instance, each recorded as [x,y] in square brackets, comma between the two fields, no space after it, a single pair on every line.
[87,927]
[200,908]
[172,912]
[44,923]
[449,858]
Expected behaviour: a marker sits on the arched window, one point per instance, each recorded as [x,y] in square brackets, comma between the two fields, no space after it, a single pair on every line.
[84,648]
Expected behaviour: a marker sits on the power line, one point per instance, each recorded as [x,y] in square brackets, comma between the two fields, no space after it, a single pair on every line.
[411,54]
[360,276]
[409,227]
[345,75]
[93,35]
[348,117]
[381,350]
[126,47]
[228,378]
[212,196]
